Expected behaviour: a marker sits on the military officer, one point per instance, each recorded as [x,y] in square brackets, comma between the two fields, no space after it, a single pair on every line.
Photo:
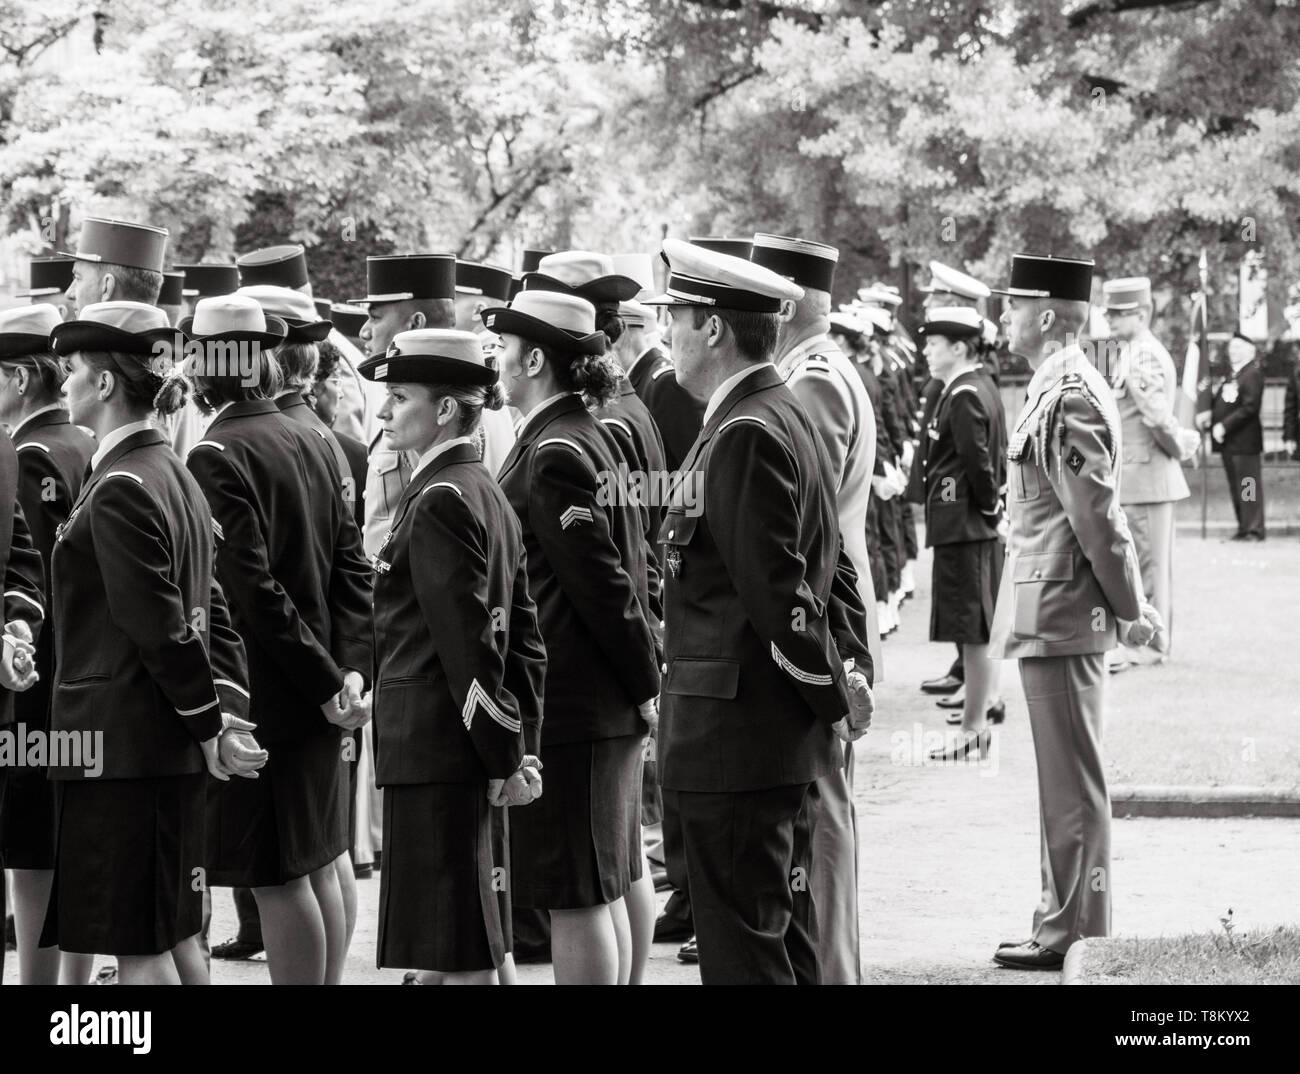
[822,378]
[963,475]
[1144,382]
[48,281]
[1238,435]
[1071,574]
[763,618]
[117,261]
[947,287]
[479,286]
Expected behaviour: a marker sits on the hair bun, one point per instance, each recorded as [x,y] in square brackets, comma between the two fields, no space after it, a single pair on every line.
[494,398]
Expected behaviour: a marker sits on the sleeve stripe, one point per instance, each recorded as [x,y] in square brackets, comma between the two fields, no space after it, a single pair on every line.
[24,596]
[202,708]
[661,371]
[558,440]
[125,473]
[233,685]
[478,696]
[795,673]
[620,423]
[35,444]
[964,388]
[444,485]
[742,417]
[208,443]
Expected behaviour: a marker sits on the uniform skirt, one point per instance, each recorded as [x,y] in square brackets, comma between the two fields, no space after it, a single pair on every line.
[444,891]
[579,844]
[964,589]
[289,822]
[26,818]
[128,865]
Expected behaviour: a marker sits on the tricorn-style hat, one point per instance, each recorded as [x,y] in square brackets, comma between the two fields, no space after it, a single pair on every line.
[348,319]
[700,277]
[48,276]
[550,318]
[1128,293]
[1034,276]
[947,280]
[431,356]
[640,267]
[953,322]
[880,294]
[26,330]
[116,242]
[173,289]
[735,247]
[403,277]
[322,308]
[209,279]
[234,318]
[809,264]
[531,259]
[280,266]
[296,310]
[583,273]
[476,278]
[128,327]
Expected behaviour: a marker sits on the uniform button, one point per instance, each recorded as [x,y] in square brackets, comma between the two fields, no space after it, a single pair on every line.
[670,534]
[1038,574]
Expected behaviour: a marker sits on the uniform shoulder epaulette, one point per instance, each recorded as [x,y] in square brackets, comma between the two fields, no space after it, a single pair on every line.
[320,433]
[444,485]
[817,365]
[739,418]
[621,424]
[35,444]
[667,367]
[560,440]
[964,388]
[125,473]
[206,443]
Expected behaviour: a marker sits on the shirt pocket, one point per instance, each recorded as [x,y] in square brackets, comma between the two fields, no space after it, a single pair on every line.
[1023,469]
[385,481]
[1044,598]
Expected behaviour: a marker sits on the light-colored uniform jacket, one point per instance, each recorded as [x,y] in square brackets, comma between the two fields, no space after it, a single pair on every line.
[1144,385]
[1071,566]
[829,388]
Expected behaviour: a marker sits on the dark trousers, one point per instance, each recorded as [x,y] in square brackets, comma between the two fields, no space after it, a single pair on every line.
[891,548]
[748,856]
[875,556]
[679,902]
[250,921]
[1247,491]
[907,529]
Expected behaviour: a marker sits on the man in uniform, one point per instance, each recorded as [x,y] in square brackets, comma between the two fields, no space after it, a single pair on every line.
[49,279]
[947,287]
[1145,382]
[479,286]
[1071,574]
[117,262]
[823,379]
[765,646]
[286,266]
[1238,435]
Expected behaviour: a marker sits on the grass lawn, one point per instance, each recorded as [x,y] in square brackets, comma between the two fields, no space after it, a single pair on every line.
[1225,708]
[1252,958]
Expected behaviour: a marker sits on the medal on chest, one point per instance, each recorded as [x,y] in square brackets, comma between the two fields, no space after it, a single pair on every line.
[1230,392]
[673,560]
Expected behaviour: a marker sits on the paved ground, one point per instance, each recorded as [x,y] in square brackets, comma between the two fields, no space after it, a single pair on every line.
[950,856]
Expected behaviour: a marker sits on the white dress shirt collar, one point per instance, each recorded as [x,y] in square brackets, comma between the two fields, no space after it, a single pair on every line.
[111,440]
[715,400]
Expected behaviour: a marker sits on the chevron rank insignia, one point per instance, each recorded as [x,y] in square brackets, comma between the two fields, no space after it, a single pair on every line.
[1074,460]
[574,516]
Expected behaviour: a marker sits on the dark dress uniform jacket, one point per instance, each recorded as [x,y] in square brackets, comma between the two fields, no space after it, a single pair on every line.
[293,406]
[964,466]
[144,645]
[1236,403]
[52,458]
[762,603]
[676,414]
[458,695]
[24,593]
[587,573]
[289,555]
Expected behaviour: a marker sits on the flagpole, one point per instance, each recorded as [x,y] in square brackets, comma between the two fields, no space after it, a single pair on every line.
[1205,353]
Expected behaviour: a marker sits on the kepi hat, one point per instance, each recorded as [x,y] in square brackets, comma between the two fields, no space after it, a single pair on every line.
[1127,293]
[406,277]
[48,276]
[1035,276]
[117,242]
[209,279]
[807,263]
[280,266]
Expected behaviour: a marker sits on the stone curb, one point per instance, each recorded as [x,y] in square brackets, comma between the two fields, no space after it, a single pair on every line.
[1072,967]
[1238,801]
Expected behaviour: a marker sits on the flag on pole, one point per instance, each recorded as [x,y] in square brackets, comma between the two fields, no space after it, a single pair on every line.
[1194,398]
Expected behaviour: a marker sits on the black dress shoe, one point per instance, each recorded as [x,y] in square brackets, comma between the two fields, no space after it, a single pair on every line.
[672,929]
[236,950]
[945,684]
[1014,943]
[363,872]
[1030,956]
[688,952]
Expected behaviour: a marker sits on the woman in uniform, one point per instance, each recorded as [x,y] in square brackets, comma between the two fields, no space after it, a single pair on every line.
[289,556]
[150,679]
[578,849]
[52,457]
[458,694]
